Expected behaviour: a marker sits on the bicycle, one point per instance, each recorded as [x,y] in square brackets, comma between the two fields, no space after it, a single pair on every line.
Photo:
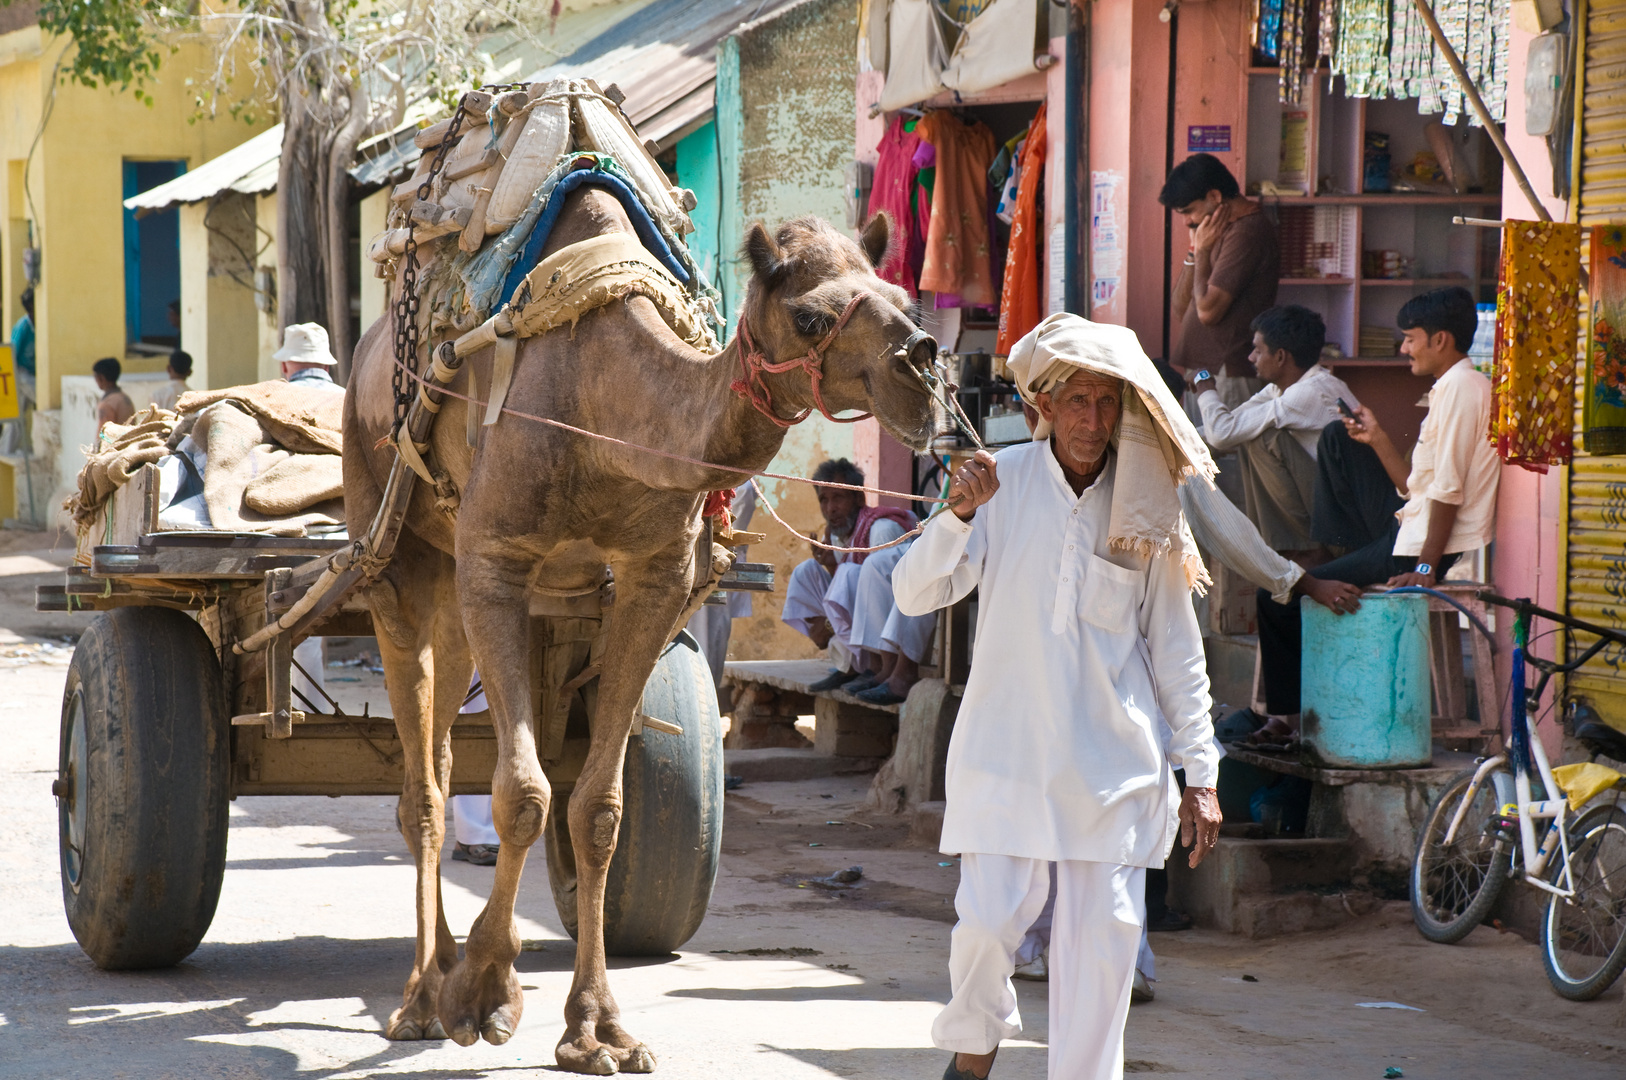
[1482,833]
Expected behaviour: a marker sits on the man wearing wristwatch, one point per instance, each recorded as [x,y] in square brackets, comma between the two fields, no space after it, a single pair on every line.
[1400,523]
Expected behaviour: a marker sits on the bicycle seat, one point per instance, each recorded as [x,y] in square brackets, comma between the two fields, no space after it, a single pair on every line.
[1600,738]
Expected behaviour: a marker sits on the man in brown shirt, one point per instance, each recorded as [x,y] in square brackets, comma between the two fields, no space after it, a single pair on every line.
[1229,278]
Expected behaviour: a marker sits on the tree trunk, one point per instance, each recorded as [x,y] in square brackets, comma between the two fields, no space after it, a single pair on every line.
[341,154]
[302,294]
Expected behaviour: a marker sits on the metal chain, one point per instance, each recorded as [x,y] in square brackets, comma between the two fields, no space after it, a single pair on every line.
[408,304]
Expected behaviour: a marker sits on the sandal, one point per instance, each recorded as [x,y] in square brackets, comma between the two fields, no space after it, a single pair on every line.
[954,1072]
[880,694]
[833,681]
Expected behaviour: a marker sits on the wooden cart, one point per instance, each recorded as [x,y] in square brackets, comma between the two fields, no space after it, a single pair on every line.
[163,724]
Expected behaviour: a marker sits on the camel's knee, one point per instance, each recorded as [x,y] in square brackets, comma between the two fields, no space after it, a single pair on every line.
[593,829]
[421,812]
[519,816]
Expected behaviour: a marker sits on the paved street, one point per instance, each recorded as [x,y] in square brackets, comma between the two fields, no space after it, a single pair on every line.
[313,938]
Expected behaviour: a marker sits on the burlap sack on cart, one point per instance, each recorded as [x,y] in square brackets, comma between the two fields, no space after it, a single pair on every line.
[253,483]
[122,451]
[299,419]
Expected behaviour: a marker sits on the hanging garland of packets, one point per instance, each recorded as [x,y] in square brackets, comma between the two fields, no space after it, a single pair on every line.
[1537,318]
[1383,50]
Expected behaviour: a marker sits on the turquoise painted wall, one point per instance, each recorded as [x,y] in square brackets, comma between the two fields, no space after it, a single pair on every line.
[697,170]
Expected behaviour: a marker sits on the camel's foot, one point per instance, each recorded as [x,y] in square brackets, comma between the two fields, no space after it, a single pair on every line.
[609,1049]
[481,1001]
[416,1018]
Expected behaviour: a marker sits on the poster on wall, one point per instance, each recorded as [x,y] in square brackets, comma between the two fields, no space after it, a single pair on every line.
[1058,269]
[1106,240]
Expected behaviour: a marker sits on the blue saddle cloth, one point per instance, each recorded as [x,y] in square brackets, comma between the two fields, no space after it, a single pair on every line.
[644,225]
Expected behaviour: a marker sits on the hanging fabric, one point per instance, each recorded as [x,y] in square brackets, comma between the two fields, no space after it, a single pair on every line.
[1362,52]
[916,54]
[1537,313]
[957,245]
[1290,52]
[996,46]
[891,191]
[1603,408]
[1019,297]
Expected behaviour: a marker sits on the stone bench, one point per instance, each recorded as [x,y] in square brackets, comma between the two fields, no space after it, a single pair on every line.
[769,695]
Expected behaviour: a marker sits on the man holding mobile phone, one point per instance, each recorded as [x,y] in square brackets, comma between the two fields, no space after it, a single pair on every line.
[1229,277]
[1400,523]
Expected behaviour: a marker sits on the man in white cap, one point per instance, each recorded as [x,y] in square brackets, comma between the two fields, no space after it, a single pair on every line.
[1088,689]
[306,358]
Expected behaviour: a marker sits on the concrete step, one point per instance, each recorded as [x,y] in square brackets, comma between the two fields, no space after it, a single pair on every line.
[1260,888]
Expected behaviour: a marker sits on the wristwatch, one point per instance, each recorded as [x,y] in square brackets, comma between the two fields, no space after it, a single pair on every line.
[1424,568]
[1201,377]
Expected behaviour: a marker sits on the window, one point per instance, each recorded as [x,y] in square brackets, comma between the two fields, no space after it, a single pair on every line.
[152,261]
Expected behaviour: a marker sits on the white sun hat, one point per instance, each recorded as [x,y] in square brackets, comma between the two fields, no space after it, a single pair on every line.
[305,343]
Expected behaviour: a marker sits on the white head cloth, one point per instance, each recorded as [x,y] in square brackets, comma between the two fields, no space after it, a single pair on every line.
[1157,446]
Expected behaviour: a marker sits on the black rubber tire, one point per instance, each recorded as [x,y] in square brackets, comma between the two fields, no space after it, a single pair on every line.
[1598,856]
[1453,891]
[144,760]
[666,852]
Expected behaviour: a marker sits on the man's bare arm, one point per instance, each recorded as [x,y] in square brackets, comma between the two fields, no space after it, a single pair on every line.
[1181,300]
[1442,518]
[1366,429]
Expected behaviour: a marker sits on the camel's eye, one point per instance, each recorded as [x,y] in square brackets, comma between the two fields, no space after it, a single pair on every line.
[812,323]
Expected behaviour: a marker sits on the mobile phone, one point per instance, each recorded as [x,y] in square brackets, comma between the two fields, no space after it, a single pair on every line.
[1343,407]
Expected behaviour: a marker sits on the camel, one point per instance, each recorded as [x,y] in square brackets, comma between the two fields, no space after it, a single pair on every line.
[541,507]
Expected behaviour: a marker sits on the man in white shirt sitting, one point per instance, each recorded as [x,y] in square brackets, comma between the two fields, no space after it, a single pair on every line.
[843,601]
[1276,430]
[1400,524]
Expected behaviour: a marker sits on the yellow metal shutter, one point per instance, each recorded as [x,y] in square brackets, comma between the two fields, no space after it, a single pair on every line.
[1595,519]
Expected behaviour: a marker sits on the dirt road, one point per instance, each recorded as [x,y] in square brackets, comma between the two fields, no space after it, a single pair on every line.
[313,938]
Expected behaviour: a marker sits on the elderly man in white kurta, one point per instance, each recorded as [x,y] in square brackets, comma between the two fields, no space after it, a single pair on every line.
[1087,689]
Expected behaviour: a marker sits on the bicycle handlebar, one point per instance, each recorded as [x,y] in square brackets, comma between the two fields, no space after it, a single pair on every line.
[1605,635]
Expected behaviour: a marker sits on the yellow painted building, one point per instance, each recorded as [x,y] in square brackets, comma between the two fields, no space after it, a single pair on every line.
[69,153]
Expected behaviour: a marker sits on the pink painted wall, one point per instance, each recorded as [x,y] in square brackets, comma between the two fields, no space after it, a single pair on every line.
[1527,556]
[1129,80]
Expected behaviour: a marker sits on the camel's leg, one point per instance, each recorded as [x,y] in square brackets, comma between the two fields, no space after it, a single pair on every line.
[648,601]
[481,997]
[426,669]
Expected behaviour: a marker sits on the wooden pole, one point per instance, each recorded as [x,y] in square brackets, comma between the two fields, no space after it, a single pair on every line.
[1472,94]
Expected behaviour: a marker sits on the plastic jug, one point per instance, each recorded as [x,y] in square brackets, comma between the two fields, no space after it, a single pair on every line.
[1366,688]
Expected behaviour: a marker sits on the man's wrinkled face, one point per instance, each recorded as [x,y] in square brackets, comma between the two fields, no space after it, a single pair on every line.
[840,508]
[1084,412]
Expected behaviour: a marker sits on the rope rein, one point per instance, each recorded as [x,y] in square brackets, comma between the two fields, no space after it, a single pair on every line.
[561,425]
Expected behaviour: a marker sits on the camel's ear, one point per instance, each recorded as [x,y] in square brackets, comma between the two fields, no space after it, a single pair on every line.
[877,238]
[767,260]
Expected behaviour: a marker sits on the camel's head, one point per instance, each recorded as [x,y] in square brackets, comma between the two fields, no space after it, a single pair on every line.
[805,279]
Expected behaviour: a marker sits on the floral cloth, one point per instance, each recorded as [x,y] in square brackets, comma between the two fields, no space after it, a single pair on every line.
[1537,320]
[958,253]
[891,191]
[1603,408]
[1019,298]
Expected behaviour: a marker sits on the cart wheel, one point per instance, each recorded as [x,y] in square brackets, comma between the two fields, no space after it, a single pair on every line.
[672,818]
[142,788]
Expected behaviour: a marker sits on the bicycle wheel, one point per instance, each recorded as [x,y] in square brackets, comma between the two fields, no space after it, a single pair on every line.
[1583,938]
[1454,886]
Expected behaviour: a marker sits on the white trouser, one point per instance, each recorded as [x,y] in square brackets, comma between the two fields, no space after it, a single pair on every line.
[1096,935]
[471,814]
[877,624]
[1037,940]
[312,656]
[805,594]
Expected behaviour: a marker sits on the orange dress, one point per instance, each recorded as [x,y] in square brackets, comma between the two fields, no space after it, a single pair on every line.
[1019,299]
[958,253]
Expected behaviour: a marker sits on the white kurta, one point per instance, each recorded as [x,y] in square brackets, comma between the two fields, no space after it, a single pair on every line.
[1058,751]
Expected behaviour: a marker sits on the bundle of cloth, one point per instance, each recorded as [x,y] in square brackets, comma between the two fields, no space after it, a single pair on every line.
[501,182]
[264,458]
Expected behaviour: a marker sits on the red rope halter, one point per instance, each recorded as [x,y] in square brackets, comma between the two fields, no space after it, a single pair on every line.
[753,364]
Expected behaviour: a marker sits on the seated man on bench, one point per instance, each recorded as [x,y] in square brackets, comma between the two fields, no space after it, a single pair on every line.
[844,601]
[1396,523]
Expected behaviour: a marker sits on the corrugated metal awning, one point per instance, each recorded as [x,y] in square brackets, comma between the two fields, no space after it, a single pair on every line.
[250,168]
[664,59]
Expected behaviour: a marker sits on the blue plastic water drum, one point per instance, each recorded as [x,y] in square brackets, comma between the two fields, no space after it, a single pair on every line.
[1366,690]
